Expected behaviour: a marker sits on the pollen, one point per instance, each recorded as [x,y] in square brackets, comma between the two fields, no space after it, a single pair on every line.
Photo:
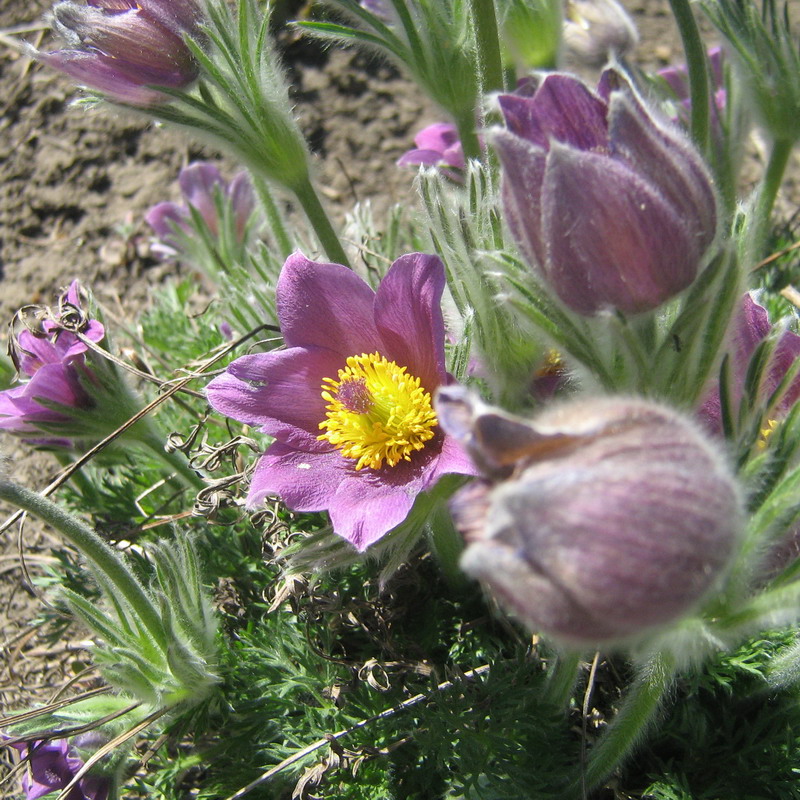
[377,413]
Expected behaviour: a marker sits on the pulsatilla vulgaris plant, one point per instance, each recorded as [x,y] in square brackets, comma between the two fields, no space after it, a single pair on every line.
[572,382]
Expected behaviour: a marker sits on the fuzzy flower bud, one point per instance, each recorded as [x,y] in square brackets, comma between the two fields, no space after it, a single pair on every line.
[122,47]
[595,29]
[612,206]
[598,520]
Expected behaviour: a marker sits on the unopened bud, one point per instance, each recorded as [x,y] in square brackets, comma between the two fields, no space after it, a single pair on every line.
[598,519]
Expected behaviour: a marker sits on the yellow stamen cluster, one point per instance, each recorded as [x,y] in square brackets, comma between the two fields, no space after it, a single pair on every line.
[376,412]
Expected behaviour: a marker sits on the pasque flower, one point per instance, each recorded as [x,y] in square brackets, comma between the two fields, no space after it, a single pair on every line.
[51,766]
[612,206]
[437,145]
[349,399]
[750,327]
[53,360]
[198,183]
[599,519]
[122,47]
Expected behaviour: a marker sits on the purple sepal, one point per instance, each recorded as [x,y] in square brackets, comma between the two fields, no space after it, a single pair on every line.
[611,205]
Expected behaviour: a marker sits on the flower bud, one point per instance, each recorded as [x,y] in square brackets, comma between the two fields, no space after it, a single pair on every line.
[199,182]
[121,47]
[596,29]
[612,206]
[598,520]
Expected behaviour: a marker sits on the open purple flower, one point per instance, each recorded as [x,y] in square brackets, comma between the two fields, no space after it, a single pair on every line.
[51,766]
[750,327]
[198,183]
[349,399]
[437,145]
[53,359]
[122,47]
[613,207]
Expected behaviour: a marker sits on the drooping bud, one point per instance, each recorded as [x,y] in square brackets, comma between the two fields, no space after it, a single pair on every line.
[596,29]
[611,205]
[122,47]
[599,519]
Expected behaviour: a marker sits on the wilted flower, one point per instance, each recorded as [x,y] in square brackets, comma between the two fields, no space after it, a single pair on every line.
[51,766]
[437,145]
[594,29]
[53,359]
[121,47]
[199,182]
[349,401]
[599,519]
[750,327]
[612,206]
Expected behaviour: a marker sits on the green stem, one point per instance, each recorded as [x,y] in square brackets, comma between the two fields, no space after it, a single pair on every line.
[446,545]
[561,679]
[470,144]
[487,39]
[274,217]
[627,728]
[94,549]
[697,64]
[767,192]
[309,200]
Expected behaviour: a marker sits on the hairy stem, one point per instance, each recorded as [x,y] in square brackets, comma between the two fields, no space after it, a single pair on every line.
[93,548]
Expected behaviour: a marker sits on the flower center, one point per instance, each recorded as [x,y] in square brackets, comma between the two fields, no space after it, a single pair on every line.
[376,412]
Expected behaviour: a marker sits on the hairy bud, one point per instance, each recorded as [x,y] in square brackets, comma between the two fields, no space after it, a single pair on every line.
[597,520]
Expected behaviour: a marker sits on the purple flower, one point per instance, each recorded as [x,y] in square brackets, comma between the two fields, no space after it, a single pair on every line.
[437,145]
[51,766]
[349,399]
[53,360]
[611,206]
[599,519]
[749,328]
[120,47]
[677,78]
[198,182]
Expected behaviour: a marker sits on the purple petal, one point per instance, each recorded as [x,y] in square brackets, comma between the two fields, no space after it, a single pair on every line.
[197,182]
[564,109]
[613,240]
[327,306]
[243,201]
[162,218]
[428,158]
[304,481]
[103,74]
[439,137]
[409,316]
[363,512]
[452,460]
[149,51]
[280,392]
[523,173]
[638,140]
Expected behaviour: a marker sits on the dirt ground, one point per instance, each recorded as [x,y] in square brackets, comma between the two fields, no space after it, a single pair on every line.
[74,187]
